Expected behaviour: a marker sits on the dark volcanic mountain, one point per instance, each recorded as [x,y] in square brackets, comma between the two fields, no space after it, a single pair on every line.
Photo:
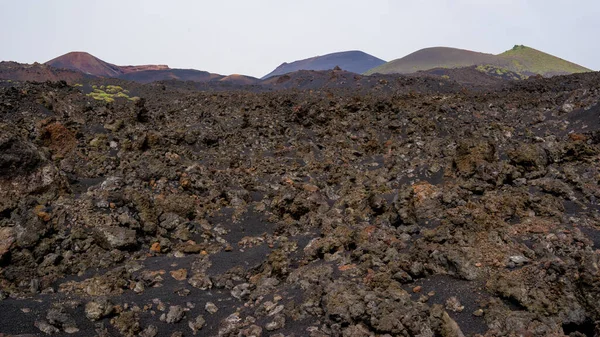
[354,61]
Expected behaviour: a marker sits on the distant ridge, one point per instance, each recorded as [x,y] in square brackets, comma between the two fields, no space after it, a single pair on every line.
[39,73]
[520,59]
[148,76]
[353,61]
[132,69]
[516,63]
[91,65]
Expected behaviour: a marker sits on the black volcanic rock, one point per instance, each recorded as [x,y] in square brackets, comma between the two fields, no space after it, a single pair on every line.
[354,61]
[327,204]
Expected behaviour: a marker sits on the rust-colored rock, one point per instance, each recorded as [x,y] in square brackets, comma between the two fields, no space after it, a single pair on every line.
[58,138]
[179,274]
[155,247]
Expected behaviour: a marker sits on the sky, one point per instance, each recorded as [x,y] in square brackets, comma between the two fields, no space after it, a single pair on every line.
[252,37]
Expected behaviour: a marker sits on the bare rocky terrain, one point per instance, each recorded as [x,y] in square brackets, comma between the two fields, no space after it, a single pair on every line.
[323,204]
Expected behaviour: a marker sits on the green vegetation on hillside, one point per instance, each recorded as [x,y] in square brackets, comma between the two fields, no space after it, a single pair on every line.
[436,57]
[528,60]
[521,60]
[109,93]
[500,72]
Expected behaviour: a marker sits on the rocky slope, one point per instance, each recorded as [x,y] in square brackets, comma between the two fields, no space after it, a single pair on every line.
[412,209]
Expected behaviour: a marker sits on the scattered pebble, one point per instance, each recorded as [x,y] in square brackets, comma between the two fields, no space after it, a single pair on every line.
[453,304]
[175,314]
[211,308]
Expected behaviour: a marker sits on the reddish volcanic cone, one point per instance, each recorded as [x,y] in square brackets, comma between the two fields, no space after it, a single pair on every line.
[86,63]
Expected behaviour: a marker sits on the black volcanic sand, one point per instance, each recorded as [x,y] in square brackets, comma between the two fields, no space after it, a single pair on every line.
[323,204]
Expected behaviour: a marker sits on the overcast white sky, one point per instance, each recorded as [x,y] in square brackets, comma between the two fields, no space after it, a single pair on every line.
[253,37]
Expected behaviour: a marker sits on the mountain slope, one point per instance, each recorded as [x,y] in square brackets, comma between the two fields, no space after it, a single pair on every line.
[39,73]
[91,65]
[520,59]
[354,61]
[85,63]
[132,69]
[436,57]
[239,79]
[148,76]
[526,59]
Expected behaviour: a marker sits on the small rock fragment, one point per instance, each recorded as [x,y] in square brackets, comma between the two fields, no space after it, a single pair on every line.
[179,275]
[230,325]
[241,291]
[7,237]
[71,330]
[139,287]
[518,260]
[45,327]
[276,310]
[277,323]
[116,237]
[197,324]
[567,107]
[454,304]
[60,318]
[478,313]
[98,309]
[200,281]
[155,247]
[211,307]
[127,323]
[150,331]
[402,277]
[252,331]
[175,314]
